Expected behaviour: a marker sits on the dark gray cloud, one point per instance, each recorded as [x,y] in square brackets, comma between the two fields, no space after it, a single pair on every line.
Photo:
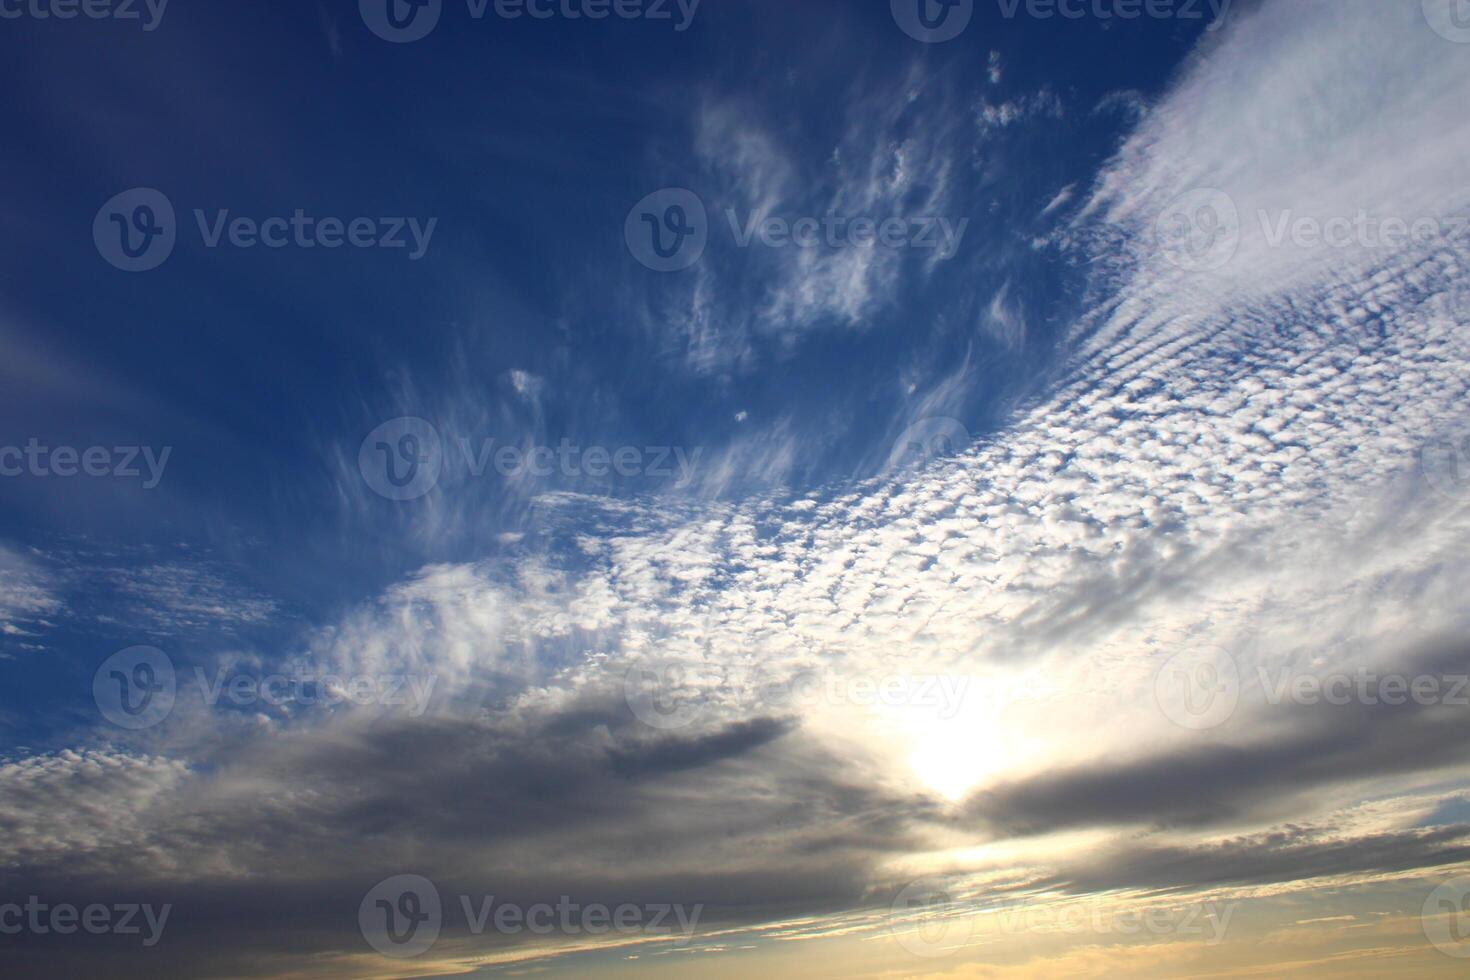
[266,851]
[1282,856]
[1290,750]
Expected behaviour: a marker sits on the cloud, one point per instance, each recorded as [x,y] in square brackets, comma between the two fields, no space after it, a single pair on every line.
[898,154]
[993,117]
[894,160]
[1004,320]
[174,597]
[1227,457]
[1306,109]
[1263,859]
[26,598]
[1062,197]
[1293,757]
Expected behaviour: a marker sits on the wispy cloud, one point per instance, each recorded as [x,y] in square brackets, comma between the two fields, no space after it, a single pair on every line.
[26,598]
[1228,458]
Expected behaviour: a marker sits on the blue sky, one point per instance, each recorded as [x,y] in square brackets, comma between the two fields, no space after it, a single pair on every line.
[1043,452]
[255,365]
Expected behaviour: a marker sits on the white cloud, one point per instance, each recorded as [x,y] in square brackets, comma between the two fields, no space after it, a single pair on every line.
[173,596]
[893,160]
[26,598]
[995,116]
[1062,197]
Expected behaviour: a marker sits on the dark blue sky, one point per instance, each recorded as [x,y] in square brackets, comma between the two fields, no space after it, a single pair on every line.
[528,141]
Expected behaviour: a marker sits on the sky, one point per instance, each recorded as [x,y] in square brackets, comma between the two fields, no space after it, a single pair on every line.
[947,488]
